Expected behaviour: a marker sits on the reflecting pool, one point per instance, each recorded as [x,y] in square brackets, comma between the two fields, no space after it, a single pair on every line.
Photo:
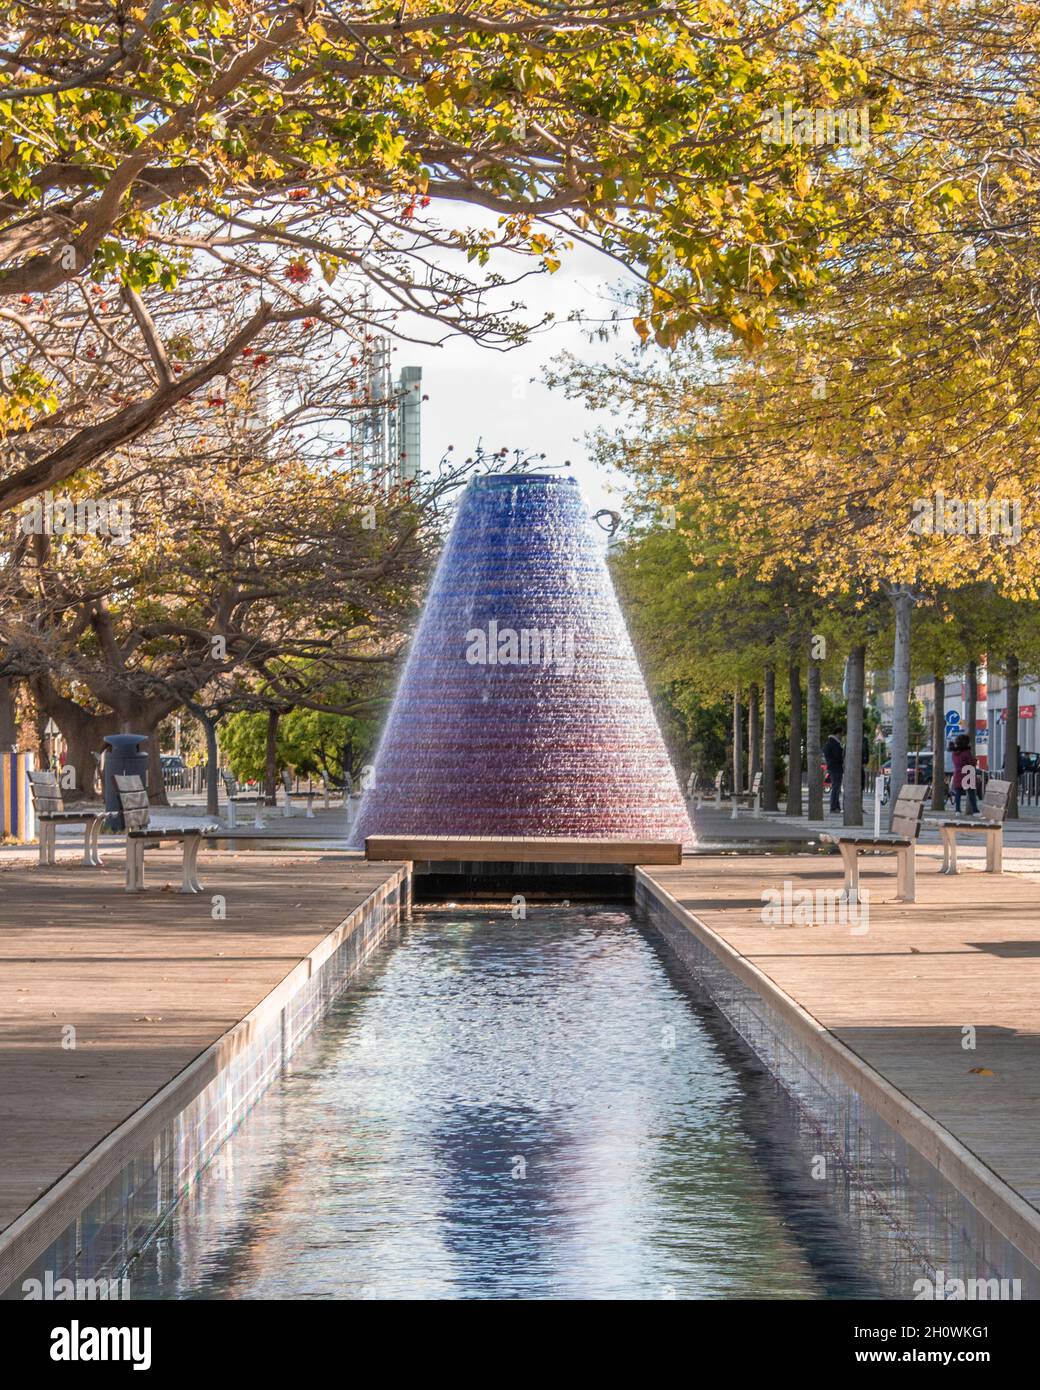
[513,1109]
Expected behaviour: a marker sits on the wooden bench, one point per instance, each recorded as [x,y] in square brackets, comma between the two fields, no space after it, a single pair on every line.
[493,849]
[752,798]
[142,835]
[289,794]
[992,814]
[235,794]
[51,812]
[903,832]
[720,782]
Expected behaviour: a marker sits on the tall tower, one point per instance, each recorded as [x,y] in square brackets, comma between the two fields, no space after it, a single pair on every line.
[521,709]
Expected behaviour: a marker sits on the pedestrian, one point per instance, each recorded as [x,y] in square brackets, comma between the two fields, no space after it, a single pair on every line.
[834,757]
[963,781]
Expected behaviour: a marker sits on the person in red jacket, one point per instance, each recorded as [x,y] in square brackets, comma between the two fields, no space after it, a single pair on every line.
[963,758]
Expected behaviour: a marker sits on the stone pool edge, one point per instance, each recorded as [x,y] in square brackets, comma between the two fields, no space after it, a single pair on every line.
[94,1218]
[763,1011]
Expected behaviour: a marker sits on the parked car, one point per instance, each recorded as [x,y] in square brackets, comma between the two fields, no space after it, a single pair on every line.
[174,771]
[919,768]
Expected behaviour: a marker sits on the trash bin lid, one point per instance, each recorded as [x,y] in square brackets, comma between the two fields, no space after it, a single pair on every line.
[125,743]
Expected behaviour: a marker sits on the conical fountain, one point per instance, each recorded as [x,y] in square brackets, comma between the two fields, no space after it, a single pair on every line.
[521,710]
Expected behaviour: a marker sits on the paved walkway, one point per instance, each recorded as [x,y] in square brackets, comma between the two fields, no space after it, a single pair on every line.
[147,982]
[900,995]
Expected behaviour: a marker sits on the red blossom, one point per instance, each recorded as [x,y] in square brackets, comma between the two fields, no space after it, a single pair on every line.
[298,272]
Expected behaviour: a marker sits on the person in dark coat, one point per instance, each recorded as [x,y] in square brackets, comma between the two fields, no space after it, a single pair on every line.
[963,757]
[834,757]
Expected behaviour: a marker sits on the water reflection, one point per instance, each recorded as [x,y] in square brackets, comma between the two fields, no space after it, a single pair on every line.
[510,1109]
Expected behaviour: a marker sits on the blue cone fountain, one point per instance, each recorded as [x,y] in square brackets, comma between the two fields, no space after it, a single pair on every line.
[521,709]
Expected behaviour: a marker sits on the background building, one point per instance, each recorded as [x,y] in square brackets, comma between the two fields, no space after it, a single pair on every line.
[386,438]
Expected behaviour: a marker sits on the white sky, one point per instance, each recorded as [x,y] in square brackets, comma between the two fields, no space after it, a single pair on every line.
[479,393]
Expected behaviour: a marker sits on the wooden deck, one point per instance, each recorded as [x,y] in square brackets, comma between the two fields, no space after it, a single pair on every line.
[899,996]
[148,982]
[493,849]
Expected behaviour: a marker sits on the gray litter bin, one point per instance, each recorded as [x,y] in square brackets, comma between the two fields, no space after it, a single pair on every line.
[123,758]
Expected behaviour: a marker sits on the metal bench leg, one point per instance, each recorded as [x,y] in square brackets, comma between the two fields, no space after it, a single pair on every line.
[850,859]
[287,807]
[906,882]
[91,857]
[231,813]
[135,866]
[949,844]
[189,877]
[757,812]
[46,842]
[995,850]
[258,815]
[310,805]
[733,815]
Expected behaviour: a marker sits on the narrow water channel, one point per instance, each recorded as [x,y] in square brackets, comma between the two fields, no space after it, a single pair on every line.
[500,1109]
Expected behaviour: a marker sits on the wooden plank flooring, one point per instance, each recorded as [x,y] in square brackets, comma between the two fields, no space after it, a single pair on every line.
[147,981]
[490,849]
[965,955]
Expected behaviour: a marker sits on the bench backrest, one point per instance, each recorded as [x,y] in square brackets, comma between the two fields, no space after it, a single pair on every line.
[134,800]
[46,793]
[718,780]
[286,779]
[756,784]
[230,783]
[995,803]
[908,810]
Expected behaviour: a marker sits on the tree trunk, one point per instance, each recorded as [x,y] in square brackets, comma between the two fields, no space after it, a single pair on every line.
[738,744]
[754,735]
[84,735]
[156,786]
[769,802]
[8,715]
[971,703]
[271,758]
[939,743]
[852,789]
[813,741]
[1011,735]
[903,603]
[794,742]
[209,724]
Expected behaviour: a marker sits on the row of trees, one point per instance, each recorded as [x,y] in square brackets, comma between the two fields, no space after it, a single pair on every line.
[869,474]
[207,212]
